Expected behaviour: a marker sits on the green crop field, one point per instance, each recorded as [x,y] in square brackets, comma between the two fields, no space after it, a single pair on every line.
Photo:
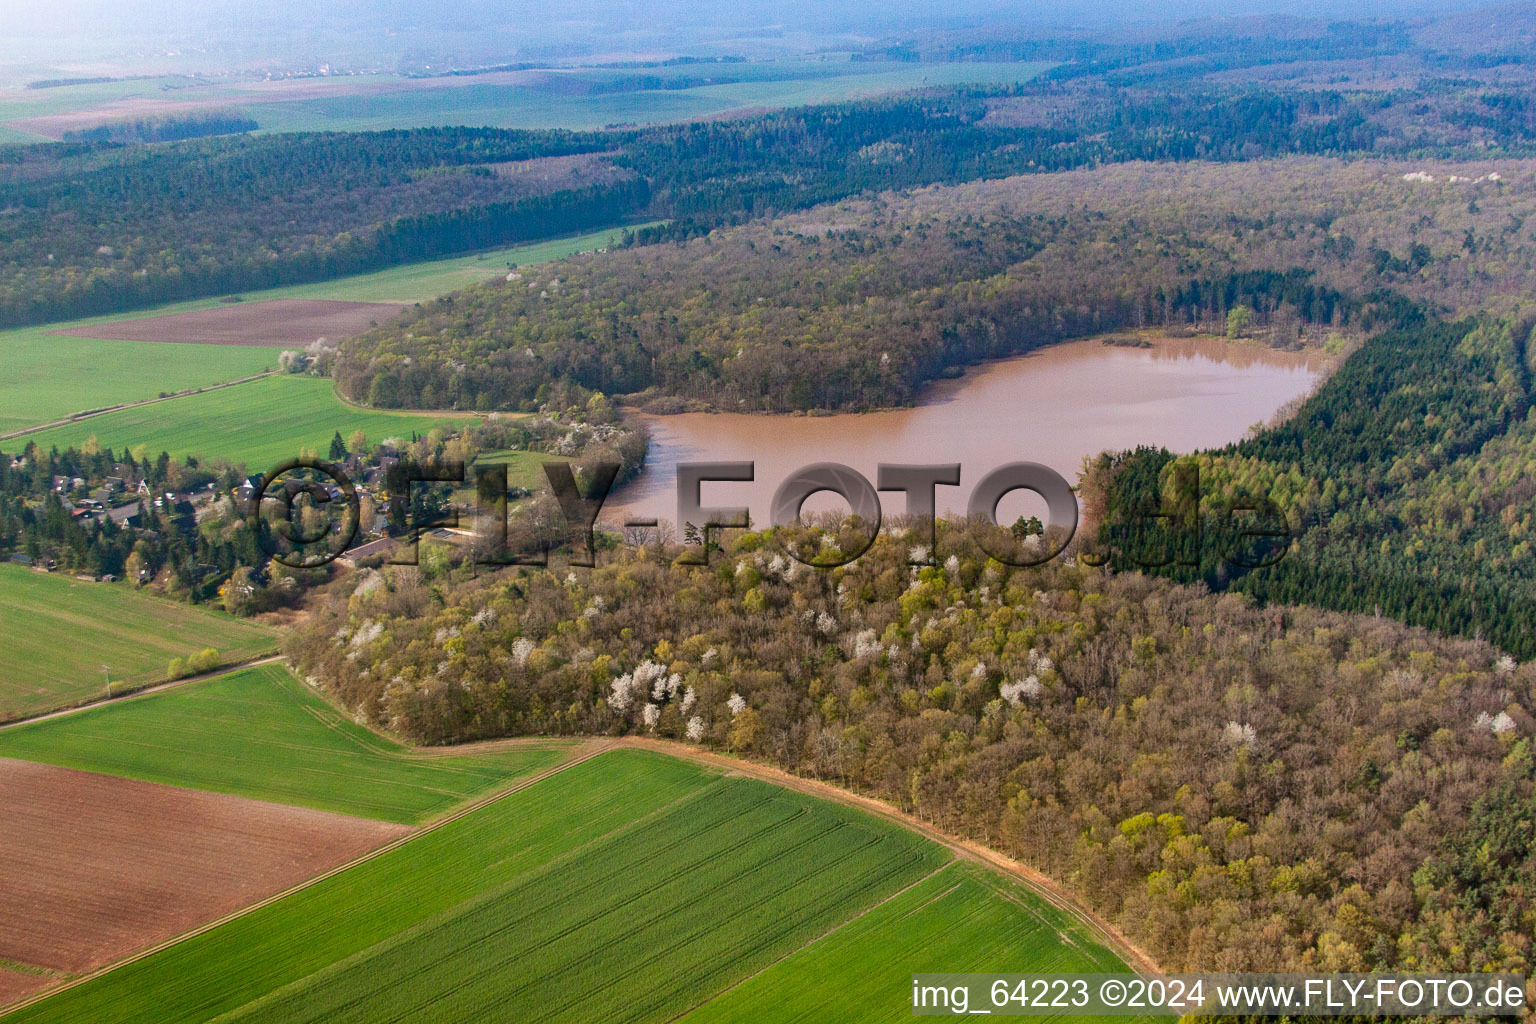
[524,469]
[261,733]
[61,633]
[629,887]
[965,918]
[50,377]
[260,423]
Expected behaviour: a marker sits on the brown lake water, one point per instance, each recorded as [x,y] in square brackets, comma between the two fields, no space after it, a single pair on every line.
[1056,406]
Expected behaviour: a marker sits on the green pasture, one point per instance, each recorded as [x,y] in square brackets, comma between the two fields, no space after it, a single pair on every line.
[65,639]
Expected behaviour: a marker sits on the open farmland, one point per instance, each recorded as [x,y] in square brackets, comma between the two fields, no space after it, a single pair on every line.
[965,918]
[274,323]
[534,98]
[261,733]
[419,282]
[58,370]
[60,633]
[629,887]
[260,423]
[97,867]
[15,984]
[49,377]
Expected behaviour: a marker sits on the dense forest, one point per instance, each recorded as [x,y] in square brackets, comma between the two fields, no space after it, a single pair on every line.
[96,228]
[1407,481]
[1236,787]
[857,304]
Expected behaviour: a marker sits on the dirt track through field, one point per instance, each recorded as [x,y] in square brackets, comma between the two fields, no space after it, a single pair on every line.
[276,323]
[93,867]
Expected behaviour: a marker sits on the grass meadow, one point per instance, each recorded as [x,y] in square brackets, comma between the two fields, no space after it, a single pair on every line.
[260,423]
[60,632]
[629,887]
[261,733]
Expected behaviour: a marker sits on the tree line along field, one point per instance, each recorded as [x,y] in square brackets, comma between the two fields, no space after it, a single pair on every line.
[259,732]
[60,633]
[630,886]
[50,377]
[259,423]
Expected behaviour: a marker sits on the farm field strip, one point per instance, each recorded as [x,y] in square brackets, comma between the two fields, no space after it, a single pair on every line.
[260,733]
[61,632]
[260,423]
[518,99]
[97,867]
[49,377]
[962,918]
[739,872]
[270,323]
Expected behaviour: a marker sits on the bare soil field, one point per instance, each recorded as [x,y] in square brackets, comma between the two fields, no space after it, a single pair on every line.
[94,867]
[279,323]
[14,985]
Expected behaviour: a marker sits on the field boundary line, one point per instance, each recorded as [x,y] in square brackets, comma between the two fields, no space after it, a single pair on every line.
[583,752]
[807,944]
[266,657]
[435,413]
[93,413]
[1042,885]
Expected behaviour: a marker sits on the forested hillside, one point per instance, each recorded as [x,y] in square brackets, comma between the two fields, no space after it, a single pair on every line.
[857,304]
[96,228]
[99,226]
[1236,787]
[1407,480]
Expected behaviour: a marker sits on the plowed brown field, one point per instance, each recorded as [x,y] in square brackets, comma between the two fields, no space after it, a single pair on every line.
[94,867]
[279,323]
[15,984]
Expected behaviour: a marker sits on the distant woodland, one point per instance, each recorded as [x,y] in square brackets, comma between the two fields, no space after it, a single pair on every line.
[857,304]
[120,218]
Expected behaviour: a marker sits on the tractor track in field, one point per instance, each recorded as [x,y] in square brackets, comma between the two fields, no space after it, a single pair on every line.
[1036,881]
[80,417]
[1040,884]
[145,691]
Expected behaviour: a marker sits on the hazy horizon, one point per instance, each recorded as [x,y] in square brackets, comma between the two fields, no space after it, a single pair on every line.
[230,34]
